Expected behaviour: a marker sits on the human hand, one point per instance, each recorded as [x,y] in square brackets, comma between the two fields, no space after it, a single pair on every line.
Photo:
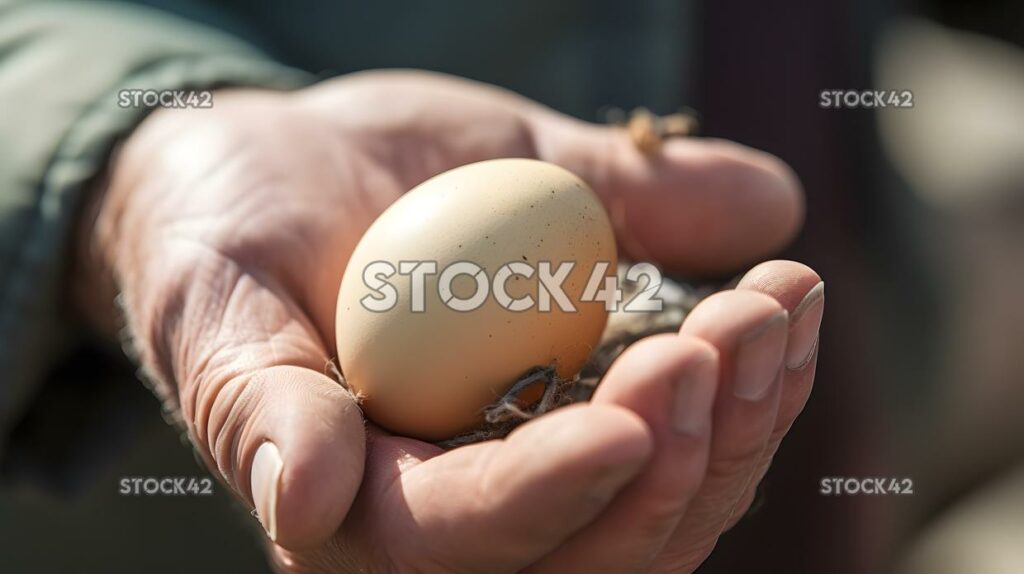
[227,232]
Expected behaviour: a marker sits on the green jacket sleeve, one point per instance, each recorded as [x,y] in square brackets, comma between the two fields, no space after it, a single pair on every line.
[62,66]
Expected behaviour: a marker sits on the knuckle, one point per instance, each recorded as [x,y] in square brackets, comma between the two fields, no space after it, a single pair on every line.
[227,407]
[218,408]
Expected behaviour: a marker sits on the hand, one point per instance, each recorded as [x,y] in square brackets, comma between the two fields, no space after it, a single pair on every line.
[228,230]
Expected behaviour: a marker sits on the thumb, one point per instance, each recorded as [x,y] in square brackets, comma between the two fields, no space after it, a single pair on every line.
[247,369]
[304,438]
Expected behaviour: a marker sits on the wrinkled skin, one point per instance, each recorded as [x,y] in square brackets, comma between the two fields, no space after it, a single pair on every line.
[228,230]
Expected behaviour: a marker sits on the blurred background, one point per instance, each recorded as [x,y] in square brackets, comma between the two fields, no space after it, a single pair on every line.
[915,220]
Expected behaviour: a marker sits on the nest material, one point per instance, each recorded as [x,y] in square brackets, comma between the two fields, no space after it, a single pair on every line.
[623,329]
[648,130]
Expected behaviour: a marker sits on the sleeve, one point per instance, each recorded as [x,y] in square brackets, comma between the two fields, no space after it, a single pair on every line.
[62,66]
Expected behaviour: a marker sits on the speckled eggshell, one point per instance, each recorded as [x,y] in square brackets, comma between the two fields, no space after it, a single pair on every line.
[430,374]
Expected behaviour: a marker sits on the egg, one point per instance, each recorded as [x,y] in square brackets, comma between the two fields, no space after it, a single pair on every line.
[442,308]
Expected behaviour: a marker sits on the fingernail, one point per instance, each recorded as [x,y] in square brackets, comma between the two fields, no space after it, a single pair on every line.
[759,358]
[695,393]
[803,332]
[266,478]
[608,485]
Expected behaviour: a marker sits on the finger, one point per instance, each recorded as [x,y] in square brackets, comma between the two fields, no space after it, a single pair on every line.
[499,506]
[749,331]
[802,293]
[248,370]
[694,205]
[670,381]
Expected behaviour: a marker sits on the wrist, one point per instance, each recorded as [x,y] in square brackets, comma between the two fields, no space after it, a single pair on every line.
[99,250]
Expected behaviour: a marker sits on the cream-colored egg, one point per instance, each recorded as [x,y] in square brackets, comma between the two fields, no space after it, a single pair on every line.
[429,373]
